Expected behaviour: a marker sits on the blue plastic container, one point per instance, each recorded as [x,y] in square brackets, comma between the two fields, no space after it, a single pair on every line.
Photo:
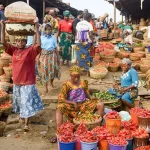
[117,147]
[89,146]
[67,146]
[149,49]
[130,144]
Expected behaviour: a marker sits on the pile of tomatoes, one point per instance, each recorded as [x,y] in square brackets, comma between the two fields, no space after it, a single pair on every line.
[81,130]
[118,141]
[129,125]
[113,115]
[2,93]
[143,148]
[124,133]
[140,133]
[5,105]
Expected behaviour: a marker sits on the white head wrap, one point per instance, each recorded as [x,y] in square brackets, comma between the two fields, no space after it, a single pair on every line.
[126,61]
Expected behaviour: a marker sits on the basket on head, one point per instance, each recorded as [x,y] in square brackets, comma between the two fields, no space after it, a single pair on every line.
[2,127]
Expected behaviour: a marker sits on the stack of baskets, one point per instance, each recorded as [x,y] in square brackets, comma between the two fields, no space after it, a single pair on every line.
[104,33]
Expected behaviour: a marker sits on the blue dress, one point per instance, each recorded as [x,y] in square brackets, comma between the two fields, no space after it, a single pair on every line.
[127,79]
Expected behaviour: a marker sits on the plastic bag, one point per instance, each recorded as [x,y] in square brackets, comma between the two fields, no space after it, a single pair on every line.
[125,116]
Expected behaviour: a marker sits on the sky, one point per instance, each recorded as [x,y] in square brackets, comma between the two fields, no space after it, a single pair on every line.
[97,7]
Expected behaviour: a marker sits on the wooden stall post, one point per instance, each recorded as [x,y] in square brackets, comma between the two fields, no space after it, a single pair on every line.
[114,17]
[43,9]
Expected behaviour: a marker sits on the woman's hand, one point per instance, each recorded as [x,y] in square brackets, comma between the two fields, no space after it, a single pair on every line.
[76,106]
[123,90]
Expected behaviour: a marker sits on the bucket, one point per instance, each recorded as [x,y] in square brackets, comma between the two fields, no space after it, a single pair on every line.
[78,143]
[134,118]
[89,146]
[144,123]
[137,142]
[66,146]
[117,147]
[149,49]
[130,144]
[113,125]
[103,145]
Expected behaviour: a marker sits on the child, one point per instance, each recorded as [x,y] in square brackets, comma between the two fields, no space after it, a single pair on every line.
[26,99]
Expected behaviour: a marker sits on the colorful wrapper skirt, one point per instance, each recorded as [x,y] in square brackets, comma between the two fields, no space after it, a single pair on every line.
[26,100]
[83,56]
[49,66]
[69,111]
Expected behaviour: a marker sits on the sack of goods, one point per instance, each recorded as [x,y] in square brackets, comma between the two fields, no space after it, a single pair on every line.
[20,19]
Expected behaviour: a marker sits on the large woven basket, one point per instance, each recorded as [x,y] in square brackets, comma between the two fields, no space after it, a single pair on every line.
[3,99]
[97,74]
[123,54]
[144,68]
[8,71]
[5,86]
[148,56]
[4,78]
[2,127]
[145,61]
[134,57]
[107,58]
[89,125]
[4,61]
[139,49]
[113,68]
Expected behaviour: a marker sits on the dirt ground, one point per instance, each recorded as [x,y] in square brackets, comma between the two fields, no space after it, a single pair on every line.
[36,139]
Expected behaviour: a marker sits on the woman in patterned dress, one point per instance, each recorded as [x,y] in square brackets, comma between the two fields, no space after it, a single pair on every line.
[49,58]
[128,83]
[26,99]
[74,98]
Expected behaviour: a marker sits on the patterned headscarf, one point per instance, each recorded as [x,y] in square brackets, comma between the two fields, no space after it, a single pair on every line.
[66,13]
[75,70]
[44,29]
[21,37]
[126,61]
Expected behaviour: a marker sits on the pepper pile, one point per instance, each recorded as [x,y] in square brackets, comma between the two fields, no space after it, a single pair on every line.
[143,148]
[129,125]
[5,105]
[2,93]
[81,130]
[102,133]
[87,118]
[113,115]
[140,133]
[89,137]
[104,96]
[124,133]
[118,141]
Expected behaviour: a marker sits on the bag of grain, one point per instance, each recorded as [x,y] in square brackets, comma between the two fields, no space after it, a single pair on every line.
[20,11]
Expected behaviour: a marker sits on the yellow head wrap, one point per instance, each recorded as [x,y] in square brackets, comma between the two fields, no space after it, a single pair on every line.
[21,37]
[75,70]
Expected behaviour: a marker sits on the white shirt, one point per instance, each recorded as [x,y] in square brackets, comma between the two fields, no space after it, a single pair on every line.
[83,28]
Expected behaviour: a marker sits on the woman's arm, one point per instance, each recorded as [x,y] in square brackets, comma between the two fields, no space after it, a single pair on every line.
[37,36]
[5,44]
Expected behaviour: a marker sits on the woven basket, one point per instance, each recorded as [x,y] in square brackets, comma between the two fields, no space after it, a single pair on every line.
[5,86]
[90,125]
[4,61]
[4,78]
[144,122]
[148,56]
[123,54]
[145,61]
[7,111]
[98,75]
[113,68]
[137,142]
[2,127]
[8,71]
[107,58]
[144,68]
[134,57]
[3,99]
[139,49]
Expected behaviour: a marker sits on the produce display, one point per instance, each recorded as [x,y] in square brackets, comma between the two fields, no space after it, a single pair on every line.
[140,133]
[2,93]
[81,130]
[87,118]
[113,115]
[5,105]
[118,141]
[105,96]
[124,133]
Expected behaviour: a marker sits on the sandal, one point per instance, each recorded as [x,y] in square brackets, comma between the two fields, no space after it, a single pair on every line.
[26,128]
[53,140]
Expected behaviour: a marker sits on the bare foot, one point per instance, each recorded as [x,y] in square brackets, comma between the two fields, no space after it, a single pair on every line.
[44,94]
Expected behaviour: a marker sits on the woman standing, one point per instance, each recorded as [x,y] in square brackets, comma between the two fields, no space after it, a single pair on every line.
[66,37]
[49,58]
[26,99]
[84,40]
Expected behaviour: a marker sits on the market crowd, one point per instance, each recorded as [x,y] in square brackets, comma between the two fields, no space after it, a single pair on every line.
[52,46]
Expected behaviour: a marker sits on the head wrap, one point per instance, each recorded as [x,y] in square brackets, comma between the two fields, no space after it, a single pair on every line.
[75,70]
[126,61]
[21,37]
[66,13]
[44,29]
[128,31]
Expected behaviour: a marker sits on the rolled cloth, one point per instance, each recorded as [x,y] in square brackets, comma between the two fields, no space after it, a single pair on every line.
[75,70]
[21,37]
[66,13]
[126,61]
